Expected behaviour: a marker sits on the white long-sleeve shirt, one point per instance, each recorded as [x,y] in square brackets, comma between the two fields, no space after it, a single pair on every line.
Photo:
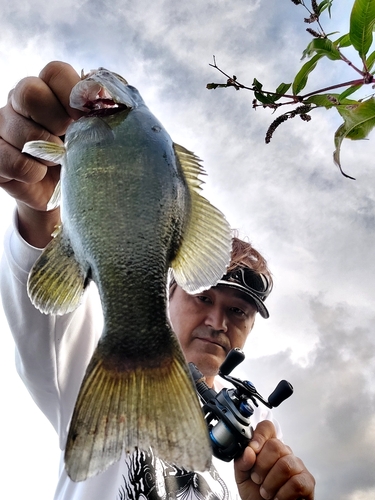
[52,353]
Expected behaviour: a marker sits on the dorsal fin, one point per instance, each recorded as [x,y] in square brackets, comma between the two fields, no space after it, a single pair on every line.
[204,254]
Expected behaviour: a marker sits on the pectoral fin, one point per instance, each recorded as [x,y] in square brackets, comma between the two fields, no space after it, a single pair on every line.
[204,254]
[48,151]
[56,281]
[54,202]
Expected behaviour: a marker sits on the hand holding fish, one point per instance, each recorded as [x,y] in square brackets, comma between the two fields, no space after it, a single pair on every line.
[269,469]
[37,108]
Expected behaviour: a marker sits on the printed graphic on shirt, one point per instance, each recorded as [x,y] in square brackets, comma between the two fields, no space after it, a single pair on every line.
[150,478]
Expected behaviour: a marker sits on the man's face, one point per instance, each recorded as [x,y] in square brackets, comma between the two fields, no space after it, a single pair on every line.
[210,324]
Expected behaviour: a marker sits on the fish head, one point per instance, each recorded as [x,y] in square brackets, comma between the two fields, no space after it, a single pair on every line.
[104,92]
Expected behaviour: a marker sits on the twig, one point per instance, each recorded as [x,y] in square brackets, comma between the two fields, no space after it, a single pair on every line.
[367,78]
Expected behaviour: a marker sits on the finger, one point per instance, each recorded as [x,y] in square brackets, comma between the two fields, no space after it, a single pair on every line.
[17,166]
[242,470]
[35,195]
[61,77]
[45,100]
[272,451]
[264,431]
[34,100]
[249,490]
[24,178]
[243,465]
[16,130]
[286,469]
[300,486]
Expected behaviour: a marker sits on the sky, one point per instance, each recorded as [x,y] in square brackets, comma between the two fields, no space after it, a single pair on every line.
[315,227]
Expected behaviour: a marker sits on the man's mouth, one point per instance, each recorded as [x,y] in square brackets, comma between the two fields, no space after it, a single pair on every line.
[211,340]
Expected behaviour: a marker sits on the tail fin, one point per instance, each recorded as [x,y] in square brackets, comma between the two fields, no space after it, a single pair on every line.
[145,407]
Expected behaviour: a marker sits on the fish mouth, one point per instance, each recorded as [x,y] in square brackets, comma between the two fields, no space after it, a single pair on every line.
[103,106]
[102,93]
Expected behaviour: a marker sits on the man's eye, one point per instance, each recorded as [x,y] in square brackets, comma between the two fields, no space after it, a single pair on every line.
[203,298]
[238,311]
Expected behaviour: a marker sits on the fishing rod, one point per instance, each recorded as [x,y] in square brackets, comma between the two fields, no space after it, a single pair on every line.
[228,412]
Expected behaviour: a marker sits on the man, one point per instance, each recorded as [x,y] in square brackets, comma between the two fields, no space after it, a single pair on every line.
[53,352]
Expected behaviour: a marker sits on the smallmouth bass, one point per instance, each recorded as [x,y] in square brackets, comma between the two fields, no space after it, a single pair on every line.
[131,208]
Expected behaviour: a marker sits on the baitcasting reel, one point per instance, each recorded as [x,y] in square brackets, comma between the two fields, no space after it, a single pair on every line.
[228,412]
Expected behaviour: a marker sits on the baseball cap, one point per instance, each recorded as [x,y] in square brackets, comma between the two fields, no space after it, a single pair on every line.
[255,285]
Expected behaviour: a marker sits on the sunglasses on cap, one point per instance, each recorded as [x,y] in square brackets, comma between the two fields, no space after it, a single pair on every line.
[255,285]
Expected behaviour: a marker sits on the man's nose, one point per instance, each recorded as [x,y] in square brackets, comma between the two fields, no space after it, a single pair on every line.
[217,319]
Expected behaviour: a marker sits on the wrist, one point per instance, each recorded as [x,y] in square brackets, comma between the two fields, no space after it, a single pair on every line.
[36,226]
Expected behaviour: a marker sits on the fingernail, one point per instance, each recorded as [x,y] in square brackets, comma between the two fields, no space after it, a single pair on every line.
[255,478]
[255,445]
[263,493]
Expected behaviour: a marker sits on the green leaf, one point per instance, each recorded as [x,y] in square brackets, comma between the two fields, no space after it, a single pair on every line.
[349,91]
[370,61]
[257,85]
[326,4]
[265,98]
[271,98]
[301,77]
[328,100]
[343,41]
[359,120]
[322,100]
[362,19]
[324,47]
[283,88]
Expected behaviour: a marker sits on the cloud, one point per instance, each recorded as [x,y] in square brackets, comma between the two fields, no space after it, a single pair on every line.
[330,417]
[315,227]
